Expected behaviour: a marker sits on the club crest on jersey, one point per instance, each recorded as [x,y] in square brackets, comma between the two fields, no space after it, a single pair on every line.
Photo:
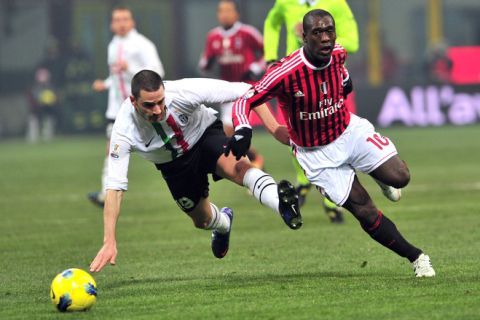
[324,88]
[238,43]
[183,118]
[114,153]
[249,94]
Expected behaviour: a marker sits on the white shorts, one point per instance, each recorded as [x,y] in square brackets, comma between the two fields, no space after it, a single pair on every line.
[332,167]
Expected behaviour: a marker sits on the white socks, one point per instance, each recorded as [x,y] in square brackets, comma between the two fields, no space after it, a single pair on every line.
[220,222]
[263,187]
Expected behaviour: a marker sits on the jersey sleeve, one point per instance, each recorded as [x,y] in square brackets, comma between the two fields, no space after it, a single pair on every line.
[208,54]
[271,32]
[263,91]
[118,159]
[258,66]
[346,25]
[194,92]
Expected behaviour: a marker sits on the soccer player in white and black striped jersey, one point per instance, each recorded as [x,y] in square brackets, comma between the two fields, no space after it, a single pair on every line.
[169,124]
[329,142]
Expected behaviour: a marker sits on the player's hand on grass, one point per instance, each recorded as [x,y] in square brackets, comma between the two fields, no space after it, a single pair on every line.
[239,143]
[107,254]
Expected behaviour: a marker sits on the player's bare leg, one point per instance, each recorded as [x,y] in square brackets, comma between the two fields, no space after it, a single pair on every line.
[391,176]
[384,231]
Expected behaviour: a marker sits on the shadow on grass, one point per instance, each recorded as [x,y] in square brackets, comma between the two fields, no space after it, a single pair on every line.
[256,280]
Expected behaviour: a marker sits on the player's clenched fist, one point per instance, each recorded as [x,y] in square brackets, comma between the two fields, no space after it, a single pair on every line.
[239,143]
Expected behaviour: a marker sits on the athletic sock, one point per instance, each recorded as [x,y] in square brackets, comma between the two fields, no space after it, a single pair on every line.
[220,222]
[263,187]
[386,233]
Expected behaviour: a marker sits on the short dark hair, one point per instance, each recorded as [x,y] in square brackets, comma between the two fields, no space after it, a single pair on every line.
[121,7]
[146,80]
[235,4]
[308,17]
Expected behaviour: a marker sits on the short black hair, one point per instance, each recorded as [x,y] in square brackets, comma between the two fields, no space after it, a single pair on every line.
[121,7]
[146,80]
[235,4]
[308,17]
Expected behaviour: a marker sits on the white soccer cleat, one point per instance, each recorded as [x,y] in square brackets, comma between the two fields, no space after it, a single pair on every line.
[391,193]
[423,267]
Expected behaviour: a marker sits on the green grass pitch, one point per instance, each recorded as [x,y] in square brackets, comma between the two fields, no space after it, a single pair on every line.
[165,268]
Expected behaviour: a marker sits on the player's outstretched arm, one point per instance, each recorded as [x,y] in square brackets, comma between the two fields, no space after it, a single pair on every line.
[278,131]
[108,252]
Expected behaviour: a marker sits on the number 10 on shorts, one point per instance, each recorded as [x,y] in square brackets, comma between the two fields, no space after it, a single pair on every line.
[379,141]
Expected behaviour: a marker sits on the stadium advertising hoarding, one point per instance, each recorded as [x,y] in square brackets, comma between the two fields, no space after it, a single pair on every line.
[429,105]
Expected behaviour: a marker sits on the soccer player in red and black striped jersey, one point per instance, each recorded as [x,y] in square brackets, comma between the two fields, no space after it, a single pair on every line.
[237,48]
[329,142]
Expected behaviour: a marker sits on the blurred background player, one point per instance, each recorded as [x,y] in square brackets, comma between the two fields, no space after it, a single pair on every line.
[128,53]
[43,105]
[290,13]
[237,49]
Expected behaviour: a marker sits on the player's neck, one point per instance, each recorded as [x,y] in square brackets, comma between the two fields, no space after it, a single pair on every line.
[319,63]
[226,28]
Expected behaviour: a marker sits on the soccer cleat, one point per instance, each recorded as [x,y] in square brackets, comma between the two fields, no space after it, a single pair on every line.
[334,213]
[423,267]
[220,241]
[391,193]
[288,205]
[96,198]
[302,191]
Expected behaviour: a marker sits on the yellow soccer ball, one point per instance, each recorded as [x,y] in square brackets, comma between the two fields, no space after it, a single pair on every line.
[73,290]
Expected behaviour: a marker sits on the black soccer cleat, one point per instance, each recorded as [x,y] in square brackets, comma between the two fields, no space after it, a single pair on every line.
[220,242]
[94,197]
[288,205]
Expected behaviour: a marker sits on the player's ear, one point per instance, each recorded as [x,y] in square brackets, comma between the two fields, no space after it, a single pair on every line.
[132,100]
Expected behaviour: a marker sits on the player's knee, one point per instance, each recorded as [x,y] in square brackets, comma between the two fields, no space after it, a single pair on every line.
[200,223]
[242,166]
[402,178]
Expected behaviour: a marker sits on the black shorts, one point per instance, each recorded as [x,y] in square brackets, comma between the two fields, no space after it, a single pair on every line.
[187,176]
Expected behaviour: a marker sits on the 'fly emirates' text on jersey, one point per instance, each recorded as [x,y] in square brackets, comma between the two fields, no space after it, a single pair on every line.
[310,98]
[187,118]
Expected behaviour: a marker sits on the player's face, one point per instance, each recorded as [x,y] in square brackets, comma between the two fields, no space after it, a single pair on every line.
[151,105]
[319,39]
[122,22]
[227,15]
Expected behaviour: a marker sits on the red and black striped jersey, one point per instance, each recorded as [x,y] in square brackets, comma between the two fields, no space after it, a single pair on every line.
[235,50]
[311,99]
